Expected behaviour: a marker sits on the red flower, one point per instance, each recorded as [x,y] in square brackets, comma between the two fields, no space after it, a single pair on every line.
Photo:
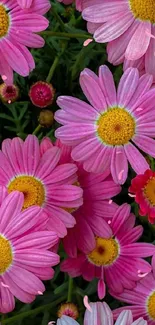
[42,94]
[143,186]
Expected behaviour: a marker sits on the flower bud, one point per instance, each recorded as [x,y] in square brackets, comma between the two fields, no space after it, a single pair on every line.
[41,94]
[46,118]
[9,94]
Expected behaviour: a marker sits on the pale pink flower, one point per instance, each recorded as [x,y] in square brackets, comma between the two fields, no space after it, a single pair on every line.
[17,32]
[116,260]
[127,26]
[42,179]
[141,298]
[24,256]
[101,314]
[105,134]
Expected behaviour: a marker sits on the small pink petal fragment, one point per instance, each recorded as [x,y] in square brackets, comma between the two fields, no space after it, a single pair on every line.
[120,174]
[142,275]
[86,303]
[4,285]
[9,101]
[109,222]
[139,109]
[110,201]
[87,42]
[149,34]
[51,323]
[40,293]
[131,195]
[4,77]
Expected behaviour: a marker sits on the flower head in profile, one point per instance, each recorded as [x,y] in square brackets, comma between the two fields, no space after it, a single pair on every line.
[42,180]
[24,256]
[143,187]
[141,298]
[68,309]
[116,259]
[18,28]
[127,26]
[107,133]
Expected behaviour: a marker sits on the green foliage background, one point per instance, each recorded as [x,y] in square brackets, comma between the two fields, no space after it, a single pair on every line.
[63,58]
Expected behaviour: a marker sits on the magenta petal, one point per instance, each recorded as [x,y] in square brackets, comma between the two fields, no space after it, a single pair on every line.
[119,165]
[107,85]
[138,250]
[90,85]
[31,154]
[146,144]
[135,158]
[139,42]
[101,289]
[121,215]
[127,86]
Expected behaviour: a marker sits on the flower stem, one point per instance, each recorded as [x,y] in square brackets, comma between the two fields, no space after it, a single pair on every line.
[65,35]
[57,17]
[37,129]
[52,69]
[33,312]
[70,289]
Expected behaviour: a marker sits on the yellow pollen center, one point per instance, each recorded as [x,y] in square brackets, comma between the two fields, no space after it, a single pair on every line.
[5,254]
[151,306]
[33,190]
[149,191]
[116,126]
[4,21]
[105,252]
[143,9]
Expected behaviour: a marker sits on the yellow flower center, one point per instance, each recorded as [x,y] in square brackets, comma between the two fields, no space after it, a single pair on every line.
[105,252]
[151,306]
[4,21]
[143,9]
[116,126]
[33,190]
[5,254]
[149,191]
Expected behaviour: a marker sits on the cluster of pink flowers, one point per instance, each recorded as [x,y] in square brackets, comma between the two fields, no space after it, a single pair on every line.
[65,191]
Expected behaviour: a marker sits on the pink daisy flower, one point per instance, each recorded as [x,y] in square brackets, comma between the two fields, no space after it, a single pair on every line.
[97,209]
[16,34]
[143,187]
[106,133]
[127,26]
[25,259]
[116,261]
[142,298]
[42,181]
